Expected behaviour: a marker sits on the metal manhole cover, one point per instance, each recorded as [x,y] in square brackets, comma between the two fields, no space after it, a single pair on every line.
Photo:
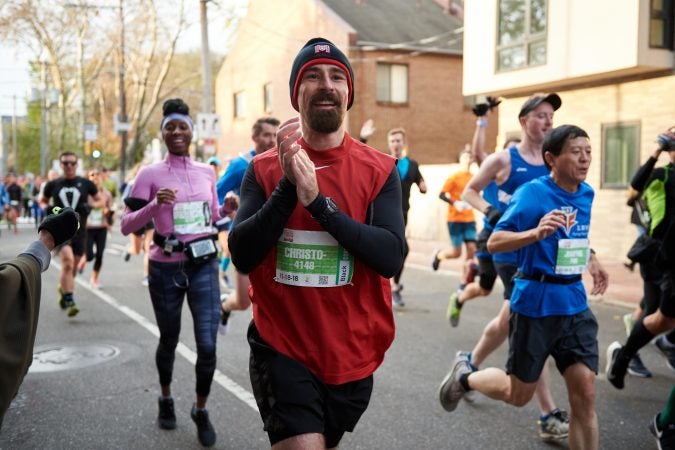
[67,357]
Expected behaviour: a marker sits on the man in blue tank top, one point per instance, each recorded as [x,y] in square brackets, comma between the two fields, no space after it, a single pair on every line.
[547,225]
[509,169]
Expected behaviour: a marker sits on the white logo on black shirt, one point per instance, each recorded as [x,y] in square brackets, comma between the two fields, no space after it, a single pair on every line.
[70,197]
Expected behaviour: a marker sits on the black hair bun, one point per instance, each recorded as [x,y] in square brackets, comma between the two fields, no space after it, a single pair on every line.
[175,105]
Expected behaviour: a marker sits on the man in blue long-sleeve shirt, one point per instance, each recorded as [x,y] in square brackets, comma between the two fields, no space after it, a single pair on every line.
[264,135]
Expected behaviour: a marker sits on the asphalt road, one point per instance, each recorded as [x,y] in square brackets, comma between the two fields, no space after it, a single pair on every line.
[112,403]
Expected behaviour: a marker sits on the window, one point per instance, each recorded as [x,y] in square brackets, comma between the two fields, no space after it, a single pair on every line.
[267,98]
[661,24]
[521,34]
[392,83]
[620,153]
[239,104]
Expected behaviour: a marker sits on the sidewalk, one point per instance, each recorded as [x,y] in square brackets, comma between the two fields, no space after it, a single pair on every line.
[625,287]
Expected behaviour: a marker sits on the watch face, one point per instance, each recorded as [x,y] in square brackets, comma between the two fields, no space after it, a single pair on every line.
[331,207]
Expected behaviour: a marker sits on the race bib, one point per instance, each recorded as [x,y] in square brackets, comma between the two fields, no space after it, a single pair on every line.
[572,258]
[95,218]
[192,217]
[312,259]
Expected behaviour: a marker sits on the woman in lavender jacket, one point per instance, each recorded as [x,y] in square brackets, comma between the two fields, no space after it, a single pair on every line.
[179,195]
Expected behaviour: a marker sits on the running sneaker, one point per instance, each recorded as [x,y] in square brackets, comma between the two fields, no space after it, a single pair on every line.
[62,301]
[166,419]
[667,350]
[72,308]
[205,431]
[637,368]
[126,256]
[554,426]
[614,370]
[450,392]
[628,323]
[435,262]
[469,396]
[454,309]
[665,439]
[145,281]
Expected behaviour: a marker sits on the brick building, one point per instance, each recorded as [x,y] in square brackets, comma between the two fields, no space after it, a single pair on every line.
[406,56]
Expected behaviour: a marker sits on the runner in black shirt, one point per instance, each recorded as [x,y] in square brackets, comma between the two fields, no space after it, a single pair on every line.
[70,191]
[14,192]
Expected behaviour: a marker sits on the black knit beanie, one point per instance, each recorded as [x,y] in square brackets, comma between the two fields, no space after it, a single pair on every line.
[319,51]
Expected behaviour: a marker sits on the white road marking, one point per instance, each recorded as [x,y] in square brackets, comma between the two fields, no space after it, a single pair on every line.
[219,377]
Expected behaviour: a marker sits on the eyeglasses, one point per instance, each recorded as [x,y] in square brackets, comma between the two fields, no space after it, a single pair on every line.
[69,163]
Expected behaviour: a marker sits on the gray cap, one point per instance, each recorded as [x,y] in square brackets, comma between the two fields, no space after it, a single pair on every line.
[537,99]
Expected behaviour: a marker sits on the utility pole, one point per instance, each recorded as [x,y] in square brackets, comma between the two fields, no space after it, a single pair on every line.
[81,30]
[16,161]
[43,120]
[122,117]
[207,106]
[80,64]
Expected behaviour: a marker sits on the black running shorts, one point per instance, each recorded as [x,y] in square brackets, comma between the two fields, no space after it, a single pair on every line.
[293,401]
[79,242]
[569,339]
[506,272]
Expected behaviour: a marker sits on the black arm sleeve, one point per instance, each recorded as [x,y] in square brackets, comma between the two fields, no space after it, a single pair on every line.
[380,242]
[259,221]
[642,176]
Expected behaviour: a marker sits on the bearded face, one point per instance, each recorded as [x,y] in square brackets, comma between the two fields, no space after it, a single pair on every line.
[324,112]
[323,96]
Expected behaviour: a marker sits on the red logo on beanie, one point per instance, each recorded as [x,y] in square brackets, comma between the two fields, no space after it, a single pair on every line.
[322,48]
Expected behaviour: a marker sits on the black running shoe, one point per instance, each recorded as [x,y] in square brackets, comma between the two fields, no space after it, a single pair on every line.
[665,439]
[167,416]
[637,368]
[205,431]
[435,261]
[616,368]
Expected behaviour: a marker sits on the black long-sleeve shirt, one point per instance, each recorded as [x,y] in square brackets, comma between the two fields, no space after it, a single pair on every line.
[379,243]
[644,176]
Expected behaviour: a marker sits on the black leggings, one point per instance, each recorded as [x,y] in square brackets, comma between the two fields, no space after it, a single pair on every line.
[96,236]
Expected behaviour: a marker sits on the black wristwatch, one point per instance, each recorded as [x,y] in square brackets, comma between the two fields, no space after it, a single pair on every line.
[329,209]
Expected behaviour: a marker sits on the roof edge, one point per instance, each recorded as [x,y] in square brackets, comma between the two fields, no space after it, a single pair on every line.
[373,46]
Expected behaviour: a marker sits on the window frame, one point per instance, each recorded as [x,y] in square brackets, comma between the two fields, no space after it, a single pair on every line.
[268,93]
[667,16]
[527,40]
[390,102]
[236,113]
[605,129]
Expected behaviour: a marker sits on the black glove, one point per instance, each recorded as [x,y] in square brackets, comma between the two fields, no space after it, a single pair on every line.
[493,215]
[62,224]
[493,102]
[666,141]
[480,109]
